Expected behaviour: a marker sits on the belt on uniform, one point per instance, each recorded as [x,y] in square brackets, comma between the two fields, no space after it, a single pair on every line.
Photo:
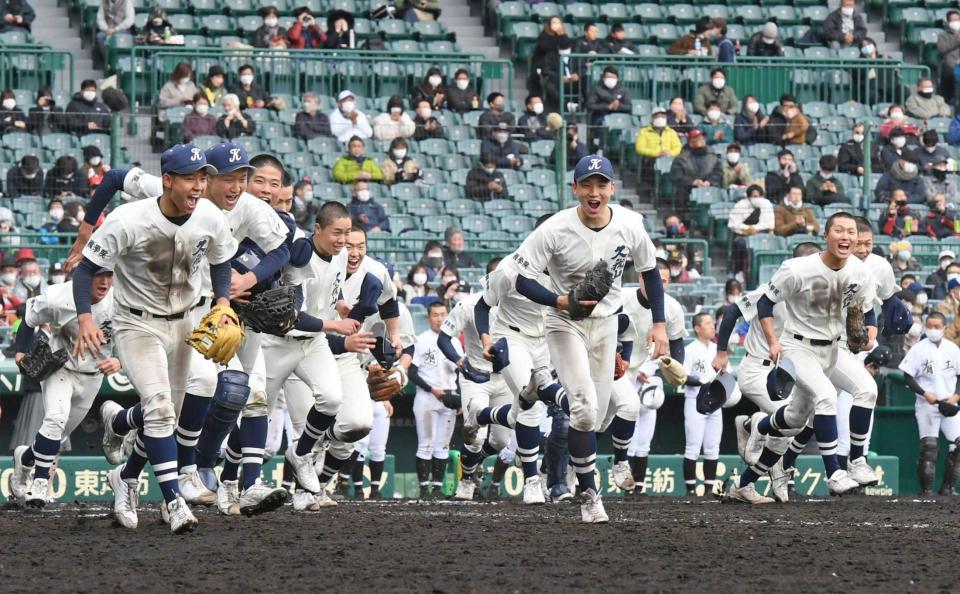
[766,362]
[90,373]
[169,317]
[815,341]
[514,328]
[311,337]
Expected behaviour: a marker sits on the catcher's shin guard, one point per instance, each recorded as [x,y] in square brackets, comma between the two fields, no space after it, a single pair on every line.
[228,400]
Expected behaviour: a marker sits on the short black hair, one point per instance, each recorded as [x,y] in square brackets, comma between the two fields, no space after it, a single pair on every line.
[436,305]
[355,138]
[86,84]
[611,70]
[930,138]
[837,215]
[936,315]
[699,318]
[805,248]
[357,228]
[863,225]
[662,264]
[330,212]
[587,26]
[828,162]
[488,159]
[787,98]
[493,263]
[716,70]
[245,67]
[617,27]
[493,96]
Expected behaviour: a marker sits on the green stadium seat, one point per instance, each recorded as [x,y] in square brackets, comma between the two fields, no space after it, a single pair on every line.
[615,12]
[427,30]
[852,110]
[205,142]
[248,23]
[19,141]
[183,23]
[217,24]
[524,193]
[452,162]
[393,29]
[252,144]
[347,5]
[469,148]
[815,14]
[402,223]
[664,33]
[437,223]
[330,191]
[737,32]
[751,15]
[499,207]
[539,207]
[270,130]
[714,11]
[580,12]
[510,12]
[434,146]
[784,15]
[194,41]
[518,224]
[411,196]
[323,145]
[299,160]
[524,37]
[284,145]
[477,223]
[649,13]
[542,148]
[684,14]
[441,46]
[404,46]
[544,10]
[14,38]
[457,206]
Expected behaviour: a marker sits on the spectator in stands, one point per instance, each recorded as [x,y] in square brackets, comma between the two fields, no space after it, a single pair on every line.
[896,149]
[355,166]
[365,211]
[304,208]
[44,117]
[797,126]
[576,150]
[56,275]
[12,118]
[157,30]
[677,117]
[845,27]
[778,182]
[589,42]
[427,126]
[55,212]
[179,89]
[84,114]
[249,91]
[484,182]
[340,33]
[416,283]
[924,104]
[749,127]
[735,173]
[899,220]
[30,280]
[432,89]
[64,179]
[695,167]
[765,42]
[716,91]
[461,96]
[26,178]
[931,152]
[72,218]
[715,127]
[453,254]
[940,222]
[950,306]
[749,216]
[850,157]
[658,139]
[903,175]
[608,96]
[346,121]
[93,168]
[420,10]
[726,51]
[305,33]
[699,36]
[198,122]
[617,42]
[948,44]
[310,123]
[533,123]
[877,85]
[233,124]
[940,183]
[902,260]
[945,268]
[213,85]
[505,150]
[398,166]
[777,122]
[112,16]
[270,34]
[394,123]
[897,119]
[18,15]
[544,60]
[906,280]
[732,290]
[793,217]
[8,235]
[560,70]
[495,115]
[432,259]
[823,187]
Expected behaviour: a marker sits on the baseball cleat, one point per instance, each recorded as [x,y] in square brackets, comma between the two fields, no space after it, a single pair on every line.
[747,494]
[37,496]
[860,471]
[375,494]
[465,489]
[743,434]
[591,508]
[193,490]
[840,483]
[303,469]
[323,499]
[111,444]
[258,498]
[304,501]
[228,498]
[532,493]
[358,494]
[623,477]
[22,474]
[181,518]
[125,496]
[559,494]
[754,445]
[780,481]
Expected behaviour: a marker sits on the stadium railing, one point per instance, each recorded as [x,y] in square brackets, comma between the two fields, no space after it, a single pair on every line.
[36,66]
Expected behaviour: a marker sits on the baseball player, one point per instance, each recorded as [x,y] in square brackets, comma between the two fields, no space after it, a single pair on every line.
[701,431]
[816,289]
[640,377]
[156,249]
[69,392]
[582,333]
[931,369]
[434,376]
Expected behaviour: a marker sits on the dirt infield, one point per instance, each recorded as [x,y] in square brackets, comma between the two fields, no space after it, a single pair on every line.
[849,545]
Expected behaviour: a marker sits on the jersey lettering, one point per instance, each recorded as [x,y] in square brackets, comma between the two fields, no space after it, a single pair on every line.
[197,255]
[619,260]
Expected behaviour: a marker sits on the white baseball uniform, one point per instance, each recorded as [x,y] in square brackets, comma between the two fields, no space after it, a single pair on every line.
[756,365]
[935,367]
[700,431]
[435,422]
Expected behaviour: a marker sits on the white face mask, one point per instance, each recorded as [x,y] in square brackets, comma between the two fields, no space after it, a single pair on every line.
[867,49]
[184,82]
[8,278]
[898,141]
[904,256]
[95,161]
[202,109]
[32,281]
[425,113]
[659,122]
[858,138]
[944,263]
[826,174]
[733,158]
[363,195]
[610,82]
[909,167]
[896,115]
[396,111]
[538,108]
[348,106]
[89,95]
[309,106]
[246,79]
[753,107]
[434,81]
[489,169]
[56,214]
[935,335]
[270,22]
[769,40]
[9,104]
[954,25]
[847,12]
[713,115]
[420,279]
[399,154]
[502,137]
[463,83]
[57,279]
[930,149]
[719,83]
[922,299]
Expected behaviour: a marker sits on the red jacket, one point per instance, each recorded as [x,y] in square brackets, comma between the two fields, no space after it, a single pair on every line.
[298,37]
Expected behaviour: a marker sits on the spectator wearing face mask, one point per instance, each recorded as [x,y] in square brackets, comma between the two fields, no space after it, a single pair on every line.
[416,283]
[454,255]
[898,220]
[73,216]
[12,118]
[533,123]
[658,139]
[797,126]
[8,280]
[248,90]
[948,45]
[765,42]
[735,173]
[678,272]
[432,89]
[484,182]
[850,157]
[93,168]
[432,259]
[56,275]
[340,31]
[506,151]
[845,26]
[921,298]
[938,182]
[896,149]
[609,96]
[198,122]
[310,123]
[617,42]
[55,214]
[25,178]
[8,236]
[427,126]
[716,91]
[946,269]
[823,187]
[84,114]
[179,89]
[355,165]
[732,290]
[749,125]
[346,121]
[941,221]
[930,152]
[716,129]
[793,217]
[778,182]
[461,96]
[397,166]
[157,30]
[673,226]
[44,117]
[304,208]
[696,42]
[903,175]
[394,123]
[213,85]
[695,167]
[64,179]
[925,104]
[897,119]
[495,115]
[950,307]
[749,216]
[576,150]
[365,210]
[30,282]
[233,124]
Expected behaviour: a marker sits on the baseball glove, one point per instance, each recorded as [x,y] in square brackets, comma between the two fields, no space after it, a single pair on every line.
[594,287]
[857,337]
[947,409]
[273,311]
[672,371]
[214,341]
[620,367]
[41,362]
[384,384]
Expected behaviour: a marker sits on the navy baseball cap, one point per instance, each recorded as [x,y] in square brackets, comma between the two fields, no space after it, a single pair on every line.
[184,159]
[228,157]
[101,270]
[593,165]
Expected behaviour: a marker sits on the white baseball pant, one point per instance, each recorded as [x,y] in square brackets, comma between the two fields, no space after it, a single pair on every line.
[851,376]
[624,402]
[930,423]
[355,418]
[435,424]
[509,453]
[646,423]
[701,431]
[476,397]
[67,397]
[373,447]
[844,403]
[279,425]
[311,360]
[526,354]
[813,392]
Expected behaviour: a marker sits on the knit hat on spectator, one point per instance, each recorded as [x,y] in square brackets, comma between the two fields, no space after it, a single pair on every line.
[770,31]
[90,151]
[25,255]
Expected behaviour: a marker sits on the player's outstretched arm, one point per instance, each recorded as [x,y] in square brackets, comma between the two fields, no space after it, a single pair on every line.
[730,317]
[111,184]
[89,336]
[445,344]
[653,286]
[24,339]
[765,315]
[911,383]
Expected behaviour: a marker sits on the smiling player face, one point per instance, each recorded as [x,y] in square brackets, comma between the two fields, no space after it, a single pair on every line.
[841,238]
[356,250]
[594,194]
[266,183]
[224,190]
[184,191]
[330,240]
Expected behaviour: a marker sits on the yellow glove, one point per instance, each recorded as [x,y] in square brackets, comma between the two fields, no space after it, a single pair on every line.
[672,371]
[214,341]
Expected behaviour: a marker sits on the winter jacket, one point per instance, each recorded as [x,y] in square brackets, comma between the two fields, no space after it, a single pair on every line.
[490,119]
[948,44]
[925,109]
[757,47]
[249,97]
[376,216]
[850,157]
[939,225]
[925,158]
[117,15]
[489,146]
[16,8]
[79,113]
[688,167]
[346,168]
[18,185]
[813,193]
[710,131]
[725,97]
[307,126]
[386,128]
[462,101]
[423,133]
[477,181]
[197,125]
[173,95]
[687,43]
[650,143]
[776,186]
[266,37]
[301,37]
[407,170]
[785,220]
[55,184]
[735,175]
[832,30]
[620,47]
[598,103]
[894,224]
[44,121]
[533,127]
[953,132]
[9,118]
[236,128]
[744,208]
[344,129]
[746,129]
[895,179]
